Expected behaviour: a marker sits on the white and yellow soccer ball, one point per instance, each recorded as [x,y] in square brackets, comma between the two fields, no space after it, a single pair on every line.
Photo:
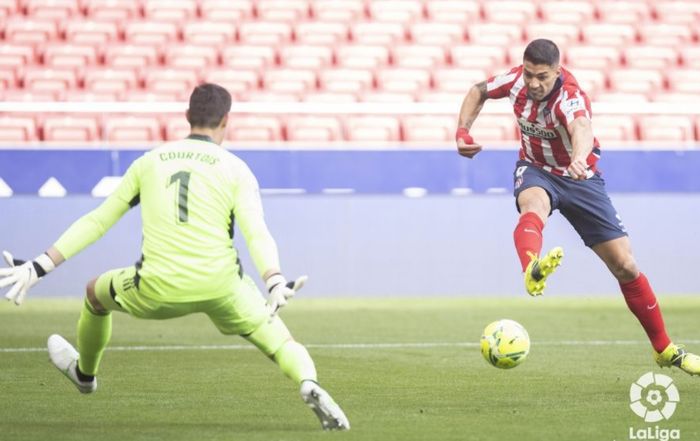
[505,344]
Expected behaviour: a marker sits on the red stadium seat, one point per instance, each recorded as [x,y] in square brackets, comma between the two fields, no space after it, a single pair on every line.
[690,56]
[338,10]
[453,11]
[614,128]
[236,81]
[188,56]
[15,56]
[608,34]
[570,12]
[402,80]
[264,32]
[176,128]
[622,11]
[306,56]
[253,129]
[362,56]
[650,57]
[684,81]
[166,10]
[51,9]
[283,10]
[214,33]
[229,11]
[320,32]
[8,7]
[345,80]
[33,32]
[494,34]
[676,11]
[591,57]
[509,11]
[8,76]
[418,56]
[665,34]
[563,34]
[428,96]
[494,128]
[69,55]
[456,79]
[179,81]
[24,96]
[429,129]
[314,129]
[401,11]
[113,11]
[377,32]
[70,128]
[132,129]
[478,56]
[621,97]
[675,97]
[109,80]
[38,79]
[635,80]
[372,129]
[92,32]
[130,55]
[17,128]
[666,128]
[150,32]
[288,80]
[436,33]
[248,56]
[590,80]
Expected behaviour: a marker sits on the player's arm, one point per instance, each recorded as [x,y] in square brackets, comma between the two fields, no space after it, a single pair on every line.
[248,212]
[23,275]
[581,134]
[471,106]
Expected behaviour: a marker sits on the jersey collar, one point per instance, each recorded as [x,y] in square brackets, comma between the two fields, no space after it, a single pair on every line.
[200,138]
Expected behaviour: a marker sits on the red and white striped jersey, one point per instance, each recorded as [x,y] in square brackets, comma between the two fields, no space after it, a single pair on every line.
[544,138]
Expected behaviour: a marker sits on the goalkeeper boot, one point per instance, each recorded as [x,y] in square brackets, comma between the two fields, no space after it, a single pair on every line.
[327,411]
[675,355]
[64,356]
[540,268]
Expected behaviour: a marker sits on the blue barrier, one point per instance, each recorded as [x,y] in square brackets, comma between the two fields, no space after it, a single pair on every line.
[365,172]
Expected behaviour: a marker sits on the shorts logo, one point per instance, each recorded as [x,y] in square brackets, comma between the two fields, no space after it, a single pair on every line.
[532,129]
[519,172]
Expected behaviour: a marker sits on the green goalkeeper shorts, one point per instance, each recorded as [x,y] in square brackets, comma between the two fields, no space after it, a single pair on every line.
[242,313]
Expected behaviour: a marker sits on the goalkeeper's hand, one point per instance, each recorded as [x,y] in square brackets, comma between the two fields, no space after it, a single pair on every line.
[23,275]
[280,291]
[466,146]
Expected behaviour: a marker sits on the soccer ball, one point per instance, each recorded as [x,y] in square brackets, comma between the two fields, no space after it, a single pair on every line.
[505,344]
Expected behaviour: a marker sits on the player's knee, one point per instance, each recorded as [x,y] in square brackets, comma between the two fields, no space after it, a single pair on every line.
[92,297]
[625,269]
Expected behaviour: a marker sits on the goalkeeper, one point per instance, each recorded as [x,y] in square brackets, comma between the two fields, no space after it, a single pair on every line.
[191,192]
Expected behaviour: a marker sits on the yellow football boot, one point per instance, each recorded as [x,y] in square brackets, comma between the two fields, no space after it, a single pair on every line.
[539,269]
[675,355]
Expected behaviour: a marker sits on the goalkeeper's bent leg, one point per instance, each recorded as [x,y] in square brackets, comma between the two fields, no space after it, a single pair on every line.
[94,332]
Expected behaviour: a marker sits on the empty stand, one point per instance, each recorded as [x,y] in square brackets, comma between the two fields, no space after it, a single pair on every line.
[314,129]
[143,129]
[70,128]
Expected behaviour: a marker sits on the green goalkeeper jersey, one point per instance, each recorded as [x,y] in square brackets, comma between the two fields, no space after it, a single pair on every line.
[191,193]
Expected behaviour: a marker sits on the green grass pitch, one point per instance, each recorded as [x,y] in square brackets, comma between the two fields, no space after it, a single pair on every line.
[402,369]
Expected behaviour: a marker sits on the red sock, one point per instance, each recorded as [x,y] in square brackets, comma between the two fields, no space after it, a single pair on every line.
[642,302]
[528,237]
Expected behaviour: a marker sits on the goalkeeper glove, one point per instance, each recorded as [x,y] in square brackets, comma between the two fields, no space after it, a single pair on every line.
[23,275]
[465,143]
[280,291]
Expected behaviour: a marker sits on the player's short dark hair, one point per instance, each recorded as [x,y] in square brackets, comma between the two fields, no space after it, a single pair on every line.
[209,103]
[542,51]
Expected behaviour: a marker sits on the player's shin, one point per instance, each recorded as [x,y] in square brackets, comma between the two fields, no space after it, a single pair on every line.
[295,362]
[528,238]
[94,332]
[642,302]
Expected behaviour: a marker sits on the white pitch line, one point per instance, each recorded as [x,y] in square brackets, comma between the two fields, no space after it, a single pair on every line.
[427,345]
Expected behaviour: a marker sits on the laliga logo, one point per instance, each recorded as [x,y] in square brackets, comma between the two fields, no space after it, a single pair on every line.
[654,397]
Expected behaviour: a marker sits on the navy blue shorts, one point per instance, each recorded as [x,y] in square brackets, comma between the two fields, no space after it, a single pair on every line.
[585,204]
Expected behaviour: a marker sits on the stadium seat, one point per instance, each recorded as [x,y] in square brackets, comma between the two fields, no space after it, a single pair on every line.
[320,32]
[90,32]
[666,128]
[690,56]
[130,55]
[70,56]
[401,11]
[436,33]
[650,57]
[189,56]
[429,96]
[372,129]
[113,11]
[8,7]
[8,77]
[614,128]
[684,81]
[176,128]
[402,80]
[372,96]
[417,56]
[169,11]
[37,79]
[213,33]
[51,9]
[236,81]
[443,11]
[306,56]
[288,80]
[345,80]
[675,97]
[289,11]
[569,12]
[228,11]
[608,34]
[478,56]
[591,57]
[360,56]
[635,80]
[248,56]
[339,10]
[621,97]
[150,32]
[509,11]
[494,128]
[676,11]
[110,80]
[494,34]
[563,34]
[70,128]
[180,81]
[242,128]
[14,56]
[665,34]
[624,11]
[17,128]
[429,129]
[377,33]
[456,80]
[314,129]
[131,129]
[264,32]
[24,96]
[32,32]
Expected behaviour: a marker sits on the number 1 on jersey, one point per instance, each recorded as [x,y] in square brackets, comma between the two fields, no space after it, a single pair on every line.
[183,178]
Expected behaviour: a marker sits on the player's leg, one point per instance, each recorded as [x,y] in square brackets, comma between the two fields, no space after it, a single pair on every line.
[244,313]
[641,300]
[534,199]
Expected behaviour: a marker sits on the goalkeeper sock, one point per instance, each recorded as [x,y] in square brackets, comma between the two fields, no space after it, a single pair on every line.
[295,362]
[642,302]
[528,237]
[94,332]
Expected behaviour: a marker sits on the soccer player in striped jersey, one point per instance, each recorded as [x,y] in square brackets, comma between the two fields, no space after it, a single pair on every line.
[191,192]
[557,171]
